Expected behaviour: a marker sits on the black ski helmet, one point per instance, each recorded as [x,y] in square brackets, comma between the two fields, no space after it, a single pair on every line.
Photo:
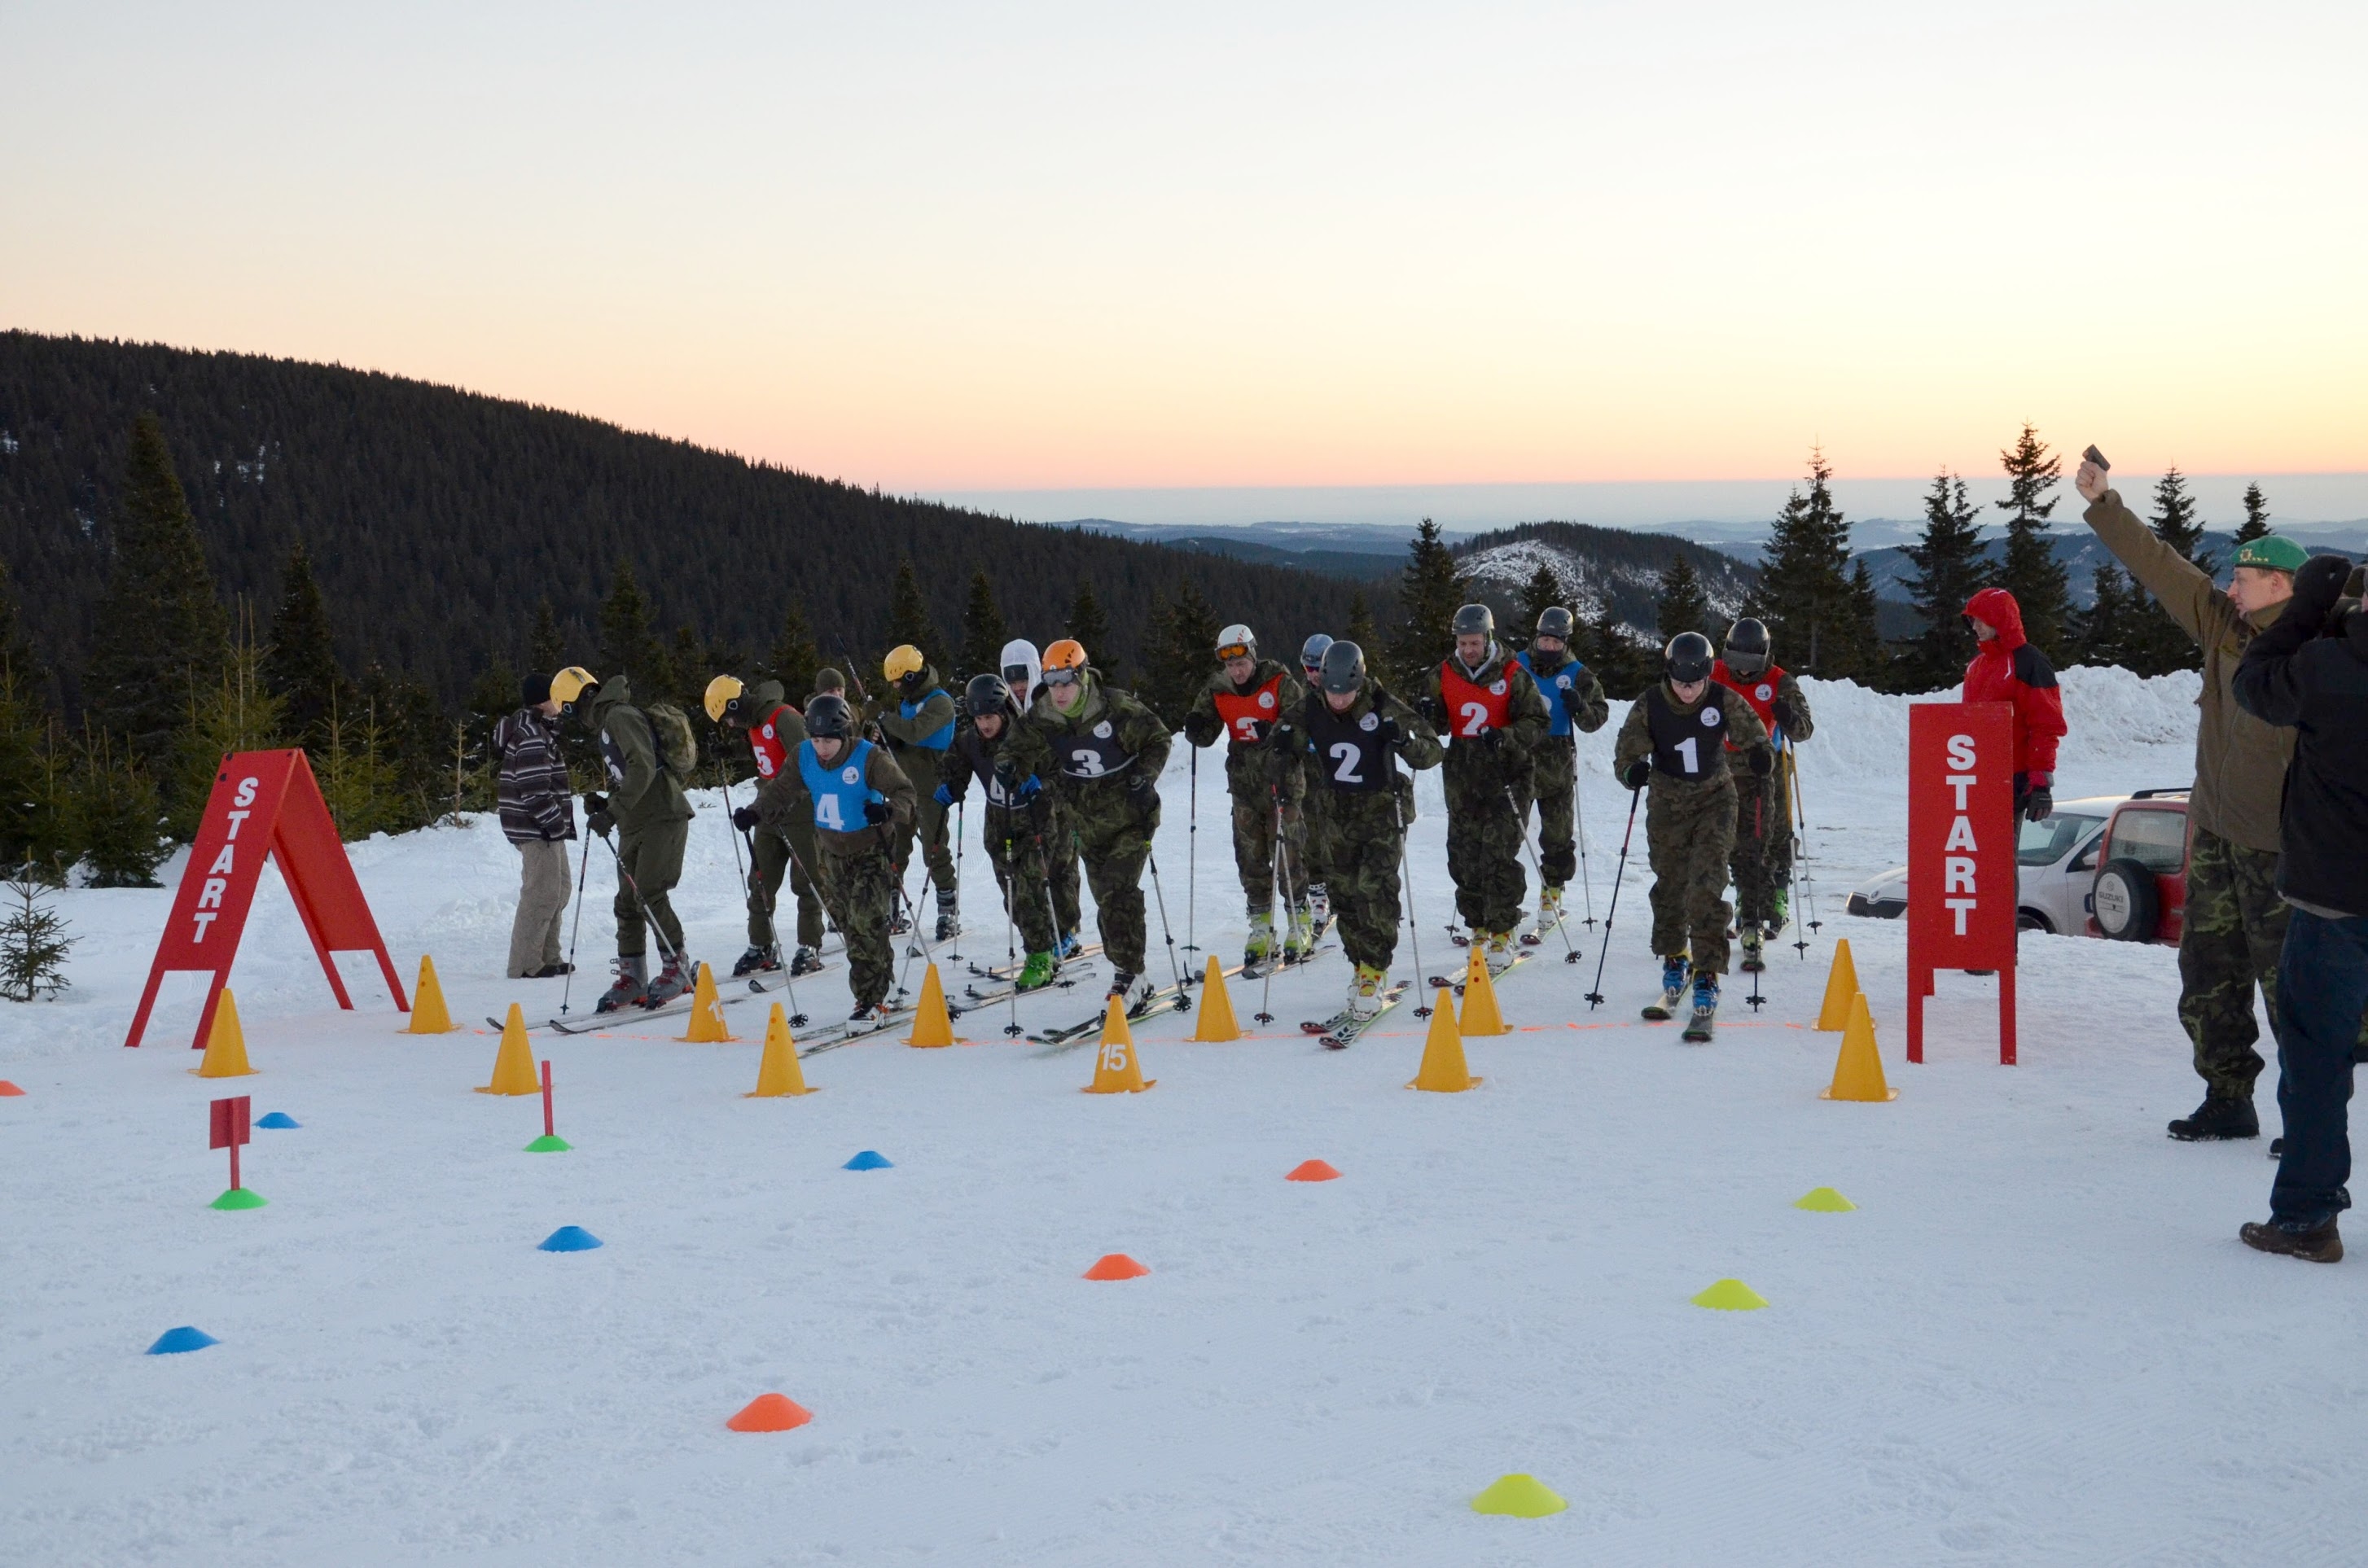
[1475,620]
[1311,652]
[1688,656]
[1554,622]
[827,717]
[987,694]
[1746,646]
[1344,667]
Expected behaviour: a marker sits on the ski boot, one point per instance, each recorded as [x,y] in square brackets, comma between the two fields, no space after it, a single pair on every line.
[805,960]
[1500,952]
[1705,1008]
[2219,1116]
[871,1013]
[1300,941]
[632,983]
[1259,947]
[948,918]
[1121,981]
[1067,947]
[899,923]
[1776,909]
[1550,913]
[1753,953]
[1036,974]
[1674,971]
[757,960]
[1365,993]
[1319,907]
[672,982]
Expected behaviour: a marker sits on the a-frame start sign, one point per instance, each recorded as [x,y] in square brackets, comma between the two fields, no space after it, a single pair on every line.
[264,802]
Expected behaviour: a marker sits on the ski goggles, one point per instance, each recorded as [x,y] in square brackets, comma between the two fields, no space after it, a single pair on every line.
[1233,651]
[1060,677]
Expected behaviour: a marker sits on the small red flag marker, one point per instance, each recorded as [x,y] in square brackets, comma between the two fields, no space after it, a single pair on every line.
[551,1143]
[229,1129]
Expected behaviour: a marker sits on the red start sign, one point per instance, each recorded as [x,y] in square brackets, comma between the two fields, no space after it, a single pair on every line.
[1961,854]
[264,802]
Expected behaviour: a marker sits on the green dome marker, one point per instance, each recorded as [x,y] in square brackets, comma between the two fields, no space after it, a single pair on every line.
[1731,1295]
[240,1198]
[549,1143]
[1522,1496]
[1825,1200]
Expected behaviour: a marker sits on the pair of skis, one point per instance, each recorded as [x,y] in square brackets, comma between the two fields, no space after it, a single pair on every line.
[1455,982]
[1340,1031]
[1698,1023]
[1169,998]
[758,983]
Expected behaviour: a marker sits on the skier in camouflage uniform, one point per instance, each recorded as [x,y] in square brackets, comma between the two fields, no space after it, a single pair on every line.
[1762,860]
[1490,712]
[1019,816]
[1347,736]
[2234,924]
[1319,896]
[1674,740]
[1575,700]
[860,806]
[1102,751]
[1252,702]
[774,730]
[646,807]
[1023,672]
[919,726]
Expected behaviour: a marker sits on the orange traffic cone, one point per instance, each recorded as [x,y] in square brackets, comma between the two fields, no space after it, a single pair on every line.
[1841,984]
[428,1012]
[513,1070]
[1858,1071]
[1216,1008]
[779,1072]
[1443,1070]
[225,1044]
[1117,1069]
[707,1025]
[1480,1013]
[932,1025]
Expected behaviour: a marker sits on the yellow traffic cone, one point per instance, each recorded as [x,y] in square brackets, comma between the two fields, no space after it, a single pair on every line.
[1216,1008]
[514,1063]
[707,1025]
[1841,984]
[1480,1013]
[1443,1071]
[1117,1069]
[932,1025]
[779,1072]
[1858,1071]
[428,1012]
[225,1054]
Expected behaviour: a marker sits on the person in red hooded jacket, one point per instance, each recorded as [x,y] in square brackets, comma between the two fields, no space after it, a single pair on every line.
[2007,668]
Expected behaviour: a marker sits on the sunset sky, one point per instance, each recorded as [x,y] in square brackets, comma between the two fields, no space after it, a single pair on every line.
[1035,246]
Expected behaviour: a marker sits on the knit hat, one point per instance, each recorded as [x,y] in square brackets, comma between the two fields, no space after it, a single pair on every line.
[828,679]
[2270,553]
[534,690]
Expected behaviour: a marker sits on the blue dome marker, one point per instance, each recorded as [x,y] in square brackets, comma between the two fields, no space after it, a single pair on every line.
[278,1118]
[570,1238]
[176,1341]
[870,1160]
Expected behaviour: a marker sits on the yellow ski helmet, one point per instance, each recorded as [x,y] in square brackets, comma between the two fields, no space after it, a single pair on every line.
[902,661]
[570,683]
[722,692]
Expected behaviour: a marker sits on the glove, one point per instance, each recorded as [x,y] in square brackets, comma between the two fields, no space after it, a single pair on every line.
[2040,804]
[876,812]
[1763,761]
[1030,787]
[944,796]
[595,803]
[2319,584]
[1390,735]
[1433,710]
[1144,789]
[1637,772]
[1257,729]
[598,820]
[745,818]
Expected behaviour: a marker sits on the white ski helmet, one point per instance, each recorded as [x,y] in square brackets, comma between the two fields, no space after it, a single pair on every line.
[1237,641]
[1021,670]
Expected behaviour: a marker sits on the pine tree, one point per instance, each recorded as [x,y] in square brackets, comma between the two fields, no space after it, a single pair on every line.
[2030,571]
[1860,635]
[403,723]
[2176,521]
[17,656]
[1815,620]
[239,712]
[1624,668]
[1430,590]
[1184,654]
[357,780]
[161,632]
[795,658]
[908,616]
[1680,605]
[546,649]
[1950,570]
[33,940]
[2157,645]
[120,812]
[21,769]
[299,667]
[984,633]
[2112,631]
[628,647]
[2257,516]
[493,698]
[1543,592]
[1360,626]
[1090,625]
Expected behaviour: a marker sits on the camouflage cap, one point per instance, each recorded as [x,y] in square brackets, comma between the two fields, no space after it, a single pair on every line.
[2270,553]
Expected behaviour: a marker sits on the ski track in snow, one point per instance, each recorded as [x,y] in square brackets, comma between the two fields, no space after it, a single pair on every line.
[2036,1341]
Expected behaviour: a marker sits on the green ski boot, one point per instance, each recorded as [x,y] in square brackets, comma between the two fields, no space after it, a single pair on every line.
[1036,974]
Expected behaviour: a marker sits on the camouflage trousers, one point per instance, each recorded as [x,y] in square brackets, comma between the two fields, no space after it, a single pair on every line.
[1761,858]
[930,822]
[860,888]
[2234,929]
[649,860]
[1554,781]
[1688,829]
[1016,848]
[1484,855]
[1114,840]
[1359,850]
[771,860]
[1254,851]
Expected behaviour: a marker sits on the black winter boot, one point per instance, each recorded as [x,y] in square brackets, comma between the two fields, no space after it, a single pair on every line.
[2219,1116]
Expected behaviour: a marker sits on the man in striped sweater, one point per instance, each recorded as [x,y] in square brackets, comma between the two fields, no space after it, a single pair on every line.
[538,812]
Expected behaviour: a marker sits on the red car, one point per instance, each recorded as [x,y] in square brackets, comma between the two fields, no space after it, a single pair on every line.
[2140,893]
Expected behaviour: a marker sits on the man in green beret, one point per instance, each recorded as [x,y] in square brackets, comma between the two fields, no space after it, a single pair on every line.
[2235,923]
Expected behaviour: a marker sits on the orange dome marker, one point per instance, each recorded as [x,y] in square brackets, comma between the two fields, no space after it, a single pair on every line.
[771,1412]
[1313,1170]
[8,1089]
[1116,1266]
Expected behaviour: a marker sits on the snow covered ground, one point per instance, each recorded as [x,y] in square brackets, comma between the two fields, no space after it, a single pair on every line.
[2037,1339]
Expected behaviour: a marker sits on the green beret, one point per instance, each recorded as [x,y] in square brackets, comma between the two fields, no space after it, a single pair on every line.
[2270,553]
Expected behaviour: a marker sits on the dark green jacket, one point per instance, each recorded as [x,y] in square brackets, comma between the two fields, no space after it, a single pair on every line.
[1252,767]
[1507,760]
[641,790]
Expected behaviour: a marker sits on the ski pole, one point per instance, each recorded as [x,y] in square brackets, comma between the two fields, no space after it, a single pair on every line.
[1193,855]
[575,927]
[1274,882]
[1594,997]
[1406,875]
[1809,874]
[961,832]
[1008,874]
[773,929]
[1183,993]
[1570,953]
[1579,805]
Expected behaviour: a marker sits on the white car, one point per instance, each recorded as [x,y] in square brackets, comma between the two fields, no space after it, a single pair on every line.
[2055,861]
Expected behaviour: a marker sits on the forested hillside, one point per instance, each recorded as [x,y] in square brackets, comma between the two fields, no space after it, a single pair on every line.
[437,520]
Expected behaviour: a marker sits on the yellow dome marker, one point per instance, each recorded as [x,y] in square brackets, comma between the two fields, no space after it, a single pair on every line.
[1522,1496]
[1731,1295]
